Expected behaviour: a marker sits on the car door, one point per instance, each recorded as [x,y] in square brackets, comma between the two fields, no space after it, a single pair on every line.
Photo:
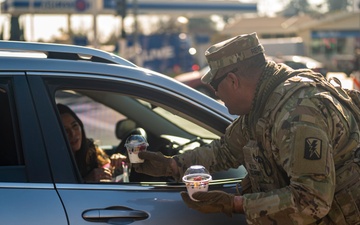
[28,195]
[118,203]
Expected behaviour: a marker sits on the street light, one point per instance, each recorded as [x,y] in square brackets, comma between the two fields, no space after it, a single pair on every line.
[121,11]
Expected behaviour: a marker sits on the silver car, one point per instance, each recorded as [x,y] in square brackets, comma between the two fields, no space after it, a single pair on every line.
[39,179]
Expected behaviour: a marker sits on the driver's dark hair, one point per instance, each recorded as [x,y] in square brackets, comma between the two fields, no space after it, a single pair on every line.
[86,157]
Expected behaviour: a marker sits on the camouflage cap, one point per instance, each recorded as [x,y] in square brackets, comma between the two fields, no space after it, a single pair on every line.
[230,52]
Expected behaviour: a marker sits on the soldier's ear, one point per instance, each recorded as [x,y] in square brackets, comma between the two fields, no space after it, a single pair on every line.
[235,82]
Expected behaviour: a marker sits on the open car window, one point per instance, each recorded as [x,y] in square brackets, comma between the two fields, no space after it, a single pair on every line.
[100,118]
[167,130]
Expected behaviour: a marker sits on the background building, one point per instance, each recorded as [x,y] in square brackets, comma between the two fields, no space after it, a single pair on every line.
[330,38]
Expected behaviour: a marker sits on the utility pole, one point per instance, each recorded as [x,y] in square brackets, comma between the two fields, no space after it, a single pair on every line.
[137,47]
[121,10]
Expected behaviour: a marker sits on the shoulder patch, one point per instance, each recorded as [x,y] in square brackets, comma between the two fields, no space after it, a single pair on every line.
[309,150]
[313,148]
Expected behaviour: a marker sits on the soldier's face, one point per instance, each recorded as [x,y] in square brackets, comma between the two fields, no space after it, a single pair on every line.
[236,92]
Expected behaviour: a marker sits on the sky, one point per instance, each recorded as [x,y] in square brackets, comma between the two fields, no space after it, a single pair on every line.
[46,27]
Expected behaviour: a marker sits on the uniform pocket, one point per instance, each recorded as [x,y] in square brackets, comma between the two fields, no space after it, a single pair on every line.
[347,194]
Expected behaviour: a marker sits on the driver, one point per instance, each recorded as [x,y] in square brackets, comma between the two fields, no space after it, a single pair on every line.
[93,163]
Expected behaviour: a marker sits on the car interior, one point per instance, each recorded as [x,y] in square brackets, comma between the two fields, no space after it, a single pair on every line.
[110,118]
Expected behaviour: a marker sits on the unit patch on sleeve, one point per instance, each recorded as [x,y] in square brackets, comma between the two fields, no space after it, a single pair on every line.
[312,149]
[309,150]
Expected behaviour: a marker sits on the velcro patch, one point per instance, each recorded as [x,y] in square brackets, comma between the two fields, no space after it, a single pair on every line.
[313,148]
[309,150]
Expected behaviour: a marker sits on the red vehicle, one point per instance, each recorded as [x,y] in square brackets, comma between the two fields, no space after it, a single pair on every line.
[193,79]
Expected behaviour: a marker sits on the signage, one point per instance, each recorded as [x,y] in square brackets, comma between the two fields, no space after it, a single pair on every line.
[48,6]
[164,53]
[109,6]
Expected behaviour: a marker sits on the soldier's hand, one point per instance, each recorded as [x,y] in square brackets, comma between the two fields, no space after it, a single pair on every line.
[210,202]
[155,164]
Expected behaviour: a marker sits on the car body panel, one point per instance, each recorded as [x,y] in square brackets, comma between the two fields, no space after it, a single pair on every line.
[303,62]
[155,203]
[46,187]
[31,204]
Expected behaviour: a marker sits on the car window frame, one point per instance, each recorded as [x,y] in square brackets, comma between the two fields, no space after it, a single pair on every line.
[23,114]
[54,81]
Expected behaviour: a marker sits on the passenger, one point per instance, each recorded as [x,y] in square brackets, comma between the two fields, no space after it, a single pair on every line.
[93,163]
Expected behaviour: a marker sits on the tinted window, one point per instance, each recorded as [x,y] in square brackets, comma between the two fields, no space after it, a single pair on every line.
[11,163]
[8,153]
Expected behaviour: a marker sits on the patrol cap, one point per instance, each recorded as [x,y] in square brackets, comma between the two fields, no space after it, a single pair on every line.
[230,52]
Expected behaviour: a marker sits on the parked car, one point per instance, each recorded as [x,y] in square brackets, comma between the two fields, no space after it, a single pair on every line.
[303,62]
[39,179]
[193,79]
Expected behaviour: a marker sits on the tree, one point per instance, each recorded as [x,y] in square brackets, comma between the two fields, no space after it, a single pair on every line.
[295,7]
[338,5]
[201,25]
[16,32]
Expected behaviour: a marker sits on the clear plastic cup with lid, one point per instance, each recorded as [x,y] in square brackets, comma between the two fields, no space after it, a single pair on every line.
[135,144]
[196,178]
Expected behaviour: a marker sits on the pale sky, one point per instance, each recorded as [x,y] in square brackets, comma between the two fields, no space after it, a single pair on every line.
[48,26]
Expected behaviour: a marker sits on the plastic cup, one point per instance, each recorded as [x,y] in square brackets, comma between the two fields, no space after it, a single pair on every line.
[196,178]
[135,144]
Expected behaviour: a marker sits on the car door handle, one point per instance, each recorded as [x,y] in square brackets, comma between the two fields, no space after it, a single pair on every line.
[113,214]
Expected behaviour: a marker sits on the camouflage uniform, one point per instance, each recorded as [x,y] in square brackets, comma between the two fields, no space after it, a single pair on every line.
[298,148]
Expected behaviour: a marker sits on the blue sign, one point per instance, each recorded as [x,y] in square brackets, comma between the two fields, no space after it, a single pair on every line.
[335,33]
[165,53]
[109,6]
[48,6]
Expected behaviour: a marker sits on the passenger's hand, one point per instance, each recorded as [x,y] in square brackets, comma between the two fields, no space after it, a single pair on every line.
[155,164]
[210,202]
[117,159]
[99,174]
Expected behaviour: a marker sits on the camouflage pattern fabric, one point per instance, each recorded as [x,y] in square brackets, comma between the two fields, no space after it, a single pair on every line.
[230,52]
[301,166]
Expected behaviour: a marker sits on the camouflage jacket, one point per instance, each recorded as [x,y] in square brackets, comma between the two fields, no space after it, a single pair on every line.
[294,147]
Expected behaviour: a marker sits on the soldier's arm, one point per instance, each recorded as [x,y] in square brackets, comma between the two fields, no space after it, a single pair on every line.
[219,155]
[302,149]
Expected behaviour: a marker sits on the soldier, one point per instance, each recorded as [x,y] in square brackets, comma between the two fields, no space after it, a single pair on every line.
[296,139]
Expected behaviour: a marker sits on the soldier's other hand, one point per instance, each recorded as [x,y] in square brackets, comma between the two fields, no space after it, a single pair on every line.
[210,202]
[155,164]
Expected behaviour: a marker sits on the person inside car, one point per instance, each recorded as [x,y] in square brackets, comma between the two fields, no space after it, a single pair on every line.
[93,163]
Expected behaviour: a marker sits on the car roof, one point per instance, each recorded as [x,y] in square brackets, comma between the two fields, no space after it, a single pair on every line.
[47,58]
[58,51]
[299,58]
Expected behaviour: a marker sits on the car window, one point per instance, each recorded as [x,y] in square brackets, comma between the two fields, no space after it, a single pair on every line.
[172,134]
[11,162]
[99,120]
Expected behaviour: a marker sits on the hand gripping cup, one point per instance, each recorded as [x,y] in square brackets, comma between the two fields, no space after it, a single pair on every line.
[135,144]
[196,179]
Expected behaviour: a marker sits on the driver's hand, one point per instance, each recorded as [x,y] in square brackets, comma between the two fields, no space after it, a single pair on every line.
[155,164]
[117,160]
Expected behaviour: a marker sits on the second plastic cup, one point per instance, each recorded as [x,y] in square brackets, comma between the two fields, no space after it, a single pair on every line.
[135,144]
[196,178]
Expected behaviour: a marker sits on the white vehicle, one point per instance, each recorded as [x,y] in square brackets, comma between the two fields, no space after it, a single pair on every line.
[39,179]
